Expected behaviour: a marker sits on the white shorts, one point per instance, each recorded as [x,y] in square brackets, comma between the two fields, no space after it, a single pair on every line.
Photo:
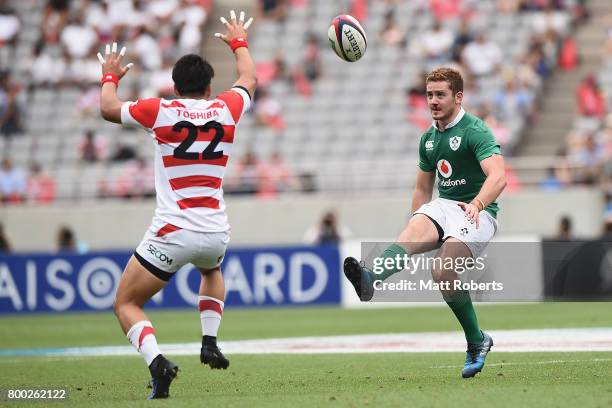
[165,250]
[452,220]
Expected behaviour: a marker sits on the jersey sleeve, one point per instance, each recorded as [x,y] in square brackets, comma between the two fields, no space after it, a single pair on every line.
[238,101]
[141,113]
[424,163]
[483,144]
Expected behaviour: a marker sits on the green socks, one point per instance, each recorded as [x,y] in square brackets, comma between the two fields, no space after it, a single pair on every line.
[461,305]
[388,262]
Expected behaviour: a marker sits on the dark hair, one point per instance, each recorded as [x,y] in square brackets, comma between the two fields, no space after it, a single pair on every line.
[453,77]
[192,74]
[65,239]
[566,223]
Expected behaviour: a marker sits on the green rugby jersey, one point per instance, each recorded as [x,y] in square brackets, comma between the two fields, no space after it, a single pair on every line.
[456,153]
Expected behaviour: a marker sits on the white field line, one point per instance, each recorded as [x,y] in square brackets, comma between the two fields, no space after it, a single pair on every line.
[541,340]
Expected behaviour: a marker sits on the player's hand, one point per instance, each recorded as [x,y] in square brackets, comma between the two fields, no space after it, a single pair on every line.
[235,28]
[472,212]
[111,62]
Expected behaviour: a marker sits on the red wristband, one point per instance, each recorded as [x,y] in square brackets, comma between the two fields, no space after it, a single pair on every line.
[238,43]
[110,77]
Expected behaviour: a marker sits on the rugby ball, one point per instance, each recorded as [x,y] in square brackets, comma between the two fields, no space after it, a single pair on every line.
[347,38]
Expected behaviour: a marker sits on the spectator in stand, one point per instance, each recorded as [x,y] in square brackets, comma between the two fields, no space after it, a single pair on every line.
[92,148]
[482,57]
[162,10]
[498,127]
[67,241]
[126,15]
[550,20]
[307,182]
[359,9]
[11,106]
[419,113]
[78,39]
[275,10]
[245,178]
[273,70]
[526,74]
[5,244]
[275,177]
[462,38]
[189,20]
[46,70]
[591,99]
[607,212]
[565,230]
[391,33]
[311,64]
[551,182]
[137,181]
[85,71]
[161,81]
[538,62]
[327,231]
[12,183]
[9,26]
[550,46]
[146,49]
[55,16]
[123,152]
[99,18]
[40,186]
[436,45]
[310,68]
[446,9]
[512,101]
[586,156]
[569,57]
[268,111]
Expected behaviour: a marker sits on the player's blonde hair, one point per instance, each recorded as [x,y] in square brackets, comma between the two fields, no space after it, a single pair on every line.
[452,76]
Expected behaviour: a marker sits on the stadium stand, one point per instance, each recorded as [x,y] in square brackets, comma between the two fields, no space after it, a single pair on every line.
[336,126]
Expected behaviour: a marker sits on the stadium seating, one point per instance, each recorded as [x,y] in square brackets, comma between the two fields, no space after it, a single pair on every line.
[352,133]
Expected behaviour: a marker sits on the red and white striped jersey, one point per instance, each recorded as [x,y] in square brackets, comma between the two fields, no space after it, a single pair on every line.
[194,140]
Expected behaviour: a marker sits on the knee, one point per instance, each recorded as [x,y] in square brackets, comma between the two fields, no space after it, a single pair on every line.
[209,272]
[437,274]
[117,306]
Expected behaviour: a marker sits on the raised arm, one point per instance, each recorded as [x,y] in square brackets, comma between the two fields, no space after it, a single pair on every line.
[236,37]
[112,72]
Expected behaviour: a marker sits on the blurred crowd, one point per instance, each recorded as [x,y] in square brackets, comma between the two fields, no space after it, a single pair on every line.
[63,56]
[158,32]
[70,33]
[586,158]
[503,93]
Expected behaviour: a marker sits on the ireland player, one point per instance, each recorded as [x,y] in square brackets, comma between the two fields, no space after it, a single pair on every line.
[462,220]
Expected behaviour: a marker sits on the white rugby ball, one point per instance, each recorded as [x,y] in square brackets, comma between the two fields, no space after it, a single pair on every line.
[347,38]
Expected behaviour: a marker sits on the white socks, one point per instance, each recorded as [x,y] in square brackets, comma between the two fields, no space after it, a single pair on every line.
[211,311]
[142,337]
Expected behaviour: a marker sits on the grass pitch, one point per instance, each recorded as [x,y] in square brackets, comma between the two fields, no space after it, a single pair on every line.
[391,379]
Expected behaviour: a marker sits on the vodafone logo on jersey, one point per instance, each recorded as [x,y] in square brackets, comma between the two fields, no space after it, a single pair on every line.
[444,168]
